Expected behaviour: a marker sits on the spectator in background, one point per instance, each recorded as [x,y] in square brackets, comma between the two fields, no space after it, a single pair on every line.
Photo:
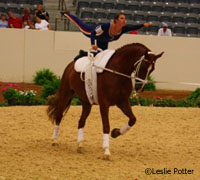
[26,15]
[14,22]
[164,31]
[29,24]
[41,24]
[41,13]
[3,21]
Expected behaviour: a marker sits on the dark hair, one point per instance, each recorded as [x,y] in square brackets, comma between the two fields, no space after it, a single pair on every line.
[3,14]
[117,16]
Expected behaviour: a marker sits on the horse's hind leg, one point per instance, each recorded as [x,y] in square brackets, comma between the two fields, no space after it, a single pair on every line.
[62,100]
[86,108]
[126,109]
[60,105]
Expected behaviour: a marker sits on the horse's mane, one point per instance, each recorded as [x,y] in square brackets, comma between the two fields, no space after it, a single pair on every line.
[137,45]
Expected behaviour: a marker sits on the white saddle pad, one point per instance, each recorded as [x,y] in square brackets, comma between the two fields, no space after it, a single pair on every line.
[101,59]
[84,65]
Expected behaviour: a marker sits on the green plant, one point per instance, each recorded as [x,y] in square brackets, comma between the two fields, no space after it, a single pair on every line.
[15,97]
[169,102]
[150,86]
[134,101]
[194,95]
[11,96]
[43,76]
[145,101]
[26,97]
[198,102]
[75,101]
[194,98]
[40,101]
[184,103]
[2,105]
[50,88]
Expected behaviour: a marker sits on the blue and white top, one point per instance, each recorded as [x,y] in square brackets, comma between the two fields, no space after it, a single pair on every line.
[102,34]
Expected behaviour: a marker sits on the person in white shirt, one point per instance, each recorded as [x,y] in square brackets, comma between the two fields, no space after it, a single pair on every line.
[42,24]
[29,24]
[164,31]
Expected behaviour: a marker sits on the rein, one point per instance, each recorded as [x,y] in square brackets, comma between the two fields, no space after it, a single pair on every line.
[137,64]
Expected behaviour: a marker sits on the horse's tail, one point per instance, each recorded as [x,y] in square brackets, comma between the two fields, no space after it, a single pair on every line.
[62,100]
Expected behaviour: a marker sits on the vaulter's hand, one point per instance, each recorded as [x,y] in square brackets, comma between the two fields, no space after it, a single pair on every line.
[94,47]
[147,24]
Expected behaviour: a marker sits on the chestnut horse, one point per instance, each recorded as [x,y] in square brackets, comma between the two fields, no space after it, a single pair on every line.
[112,89]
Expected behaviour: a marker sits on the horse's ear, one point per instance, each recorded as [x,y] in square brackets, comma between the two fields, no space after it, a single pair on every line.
[159,55]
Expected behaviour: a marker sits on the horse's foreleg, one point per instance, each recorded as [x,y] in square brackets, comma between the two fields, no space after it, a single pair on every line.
[86,108]
[106,130]
[126,109]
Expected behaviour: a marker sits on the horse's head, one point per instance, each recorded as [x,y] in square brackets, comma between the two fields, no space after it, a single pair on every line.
[143,68]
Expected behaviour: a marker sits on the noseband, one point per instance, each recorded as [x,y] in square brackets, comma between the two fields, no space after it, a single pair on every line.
[137,66]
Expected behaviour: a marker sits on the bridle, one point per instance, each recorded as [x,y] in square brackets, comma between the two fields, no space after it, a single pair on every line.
[137,66]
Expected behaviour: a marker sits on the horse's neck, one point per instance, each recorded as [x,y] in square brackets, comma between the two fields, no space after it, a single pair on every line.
[124,62]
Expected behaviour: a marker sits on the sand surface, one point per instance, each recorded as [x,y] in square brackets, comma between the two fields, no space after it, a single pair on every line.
[161,138]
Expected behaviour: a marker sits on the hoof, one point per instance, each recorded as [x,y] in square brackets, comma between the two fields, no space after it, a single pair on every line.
[80,148]
[107,154]
[115,133]
[55,143]
[106,157]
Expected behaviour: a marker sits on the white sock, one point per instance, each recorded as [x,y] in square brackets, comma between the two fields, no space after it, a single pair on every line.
[124,129]
[105,141]
[80,135]
[55,132]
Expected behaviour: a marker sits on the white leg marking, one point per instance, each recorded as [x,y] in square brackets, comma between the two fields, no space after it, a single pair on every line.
[124,129]
[105,141]
[80,135]
[55,132]
[80,140]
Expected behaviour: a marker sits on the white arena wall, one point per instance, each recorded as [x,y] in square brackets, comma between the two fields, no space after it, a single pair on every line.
[23,52]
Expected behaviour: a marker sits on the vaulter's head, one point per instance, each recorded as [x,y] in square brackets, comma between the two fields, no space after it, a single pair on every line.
[120,19]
